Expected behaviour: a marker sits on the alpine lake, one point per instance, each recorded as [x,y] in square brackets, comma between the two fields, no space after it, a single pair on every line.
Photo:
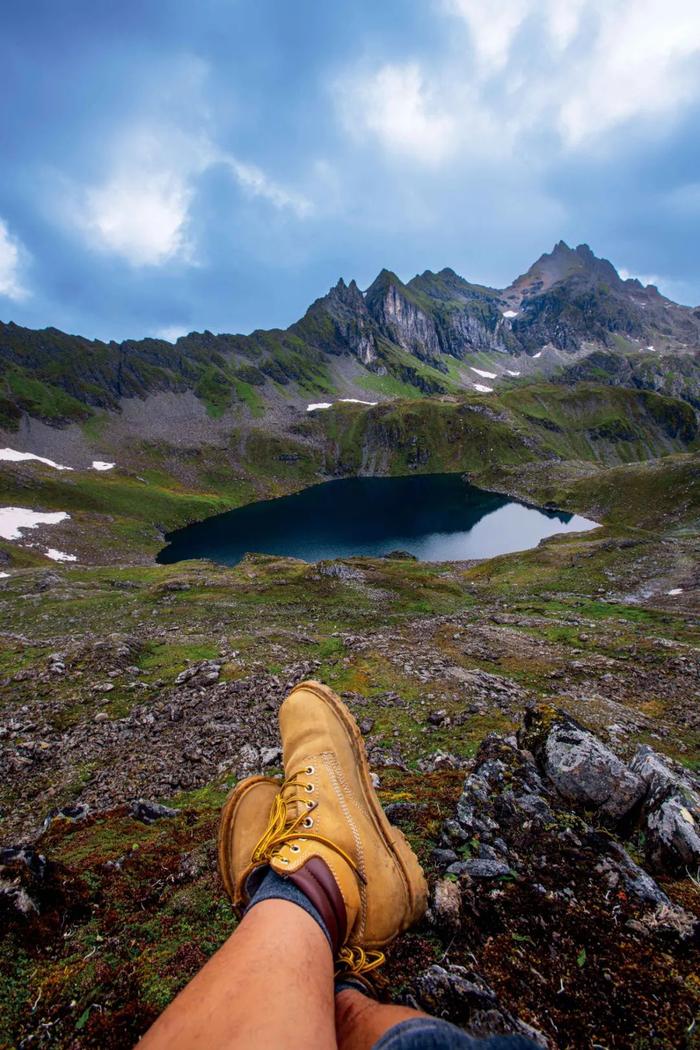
[435,517]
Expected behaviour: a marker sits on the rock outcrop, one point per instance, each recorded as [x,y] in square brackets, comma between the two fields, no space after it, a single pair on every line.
[671,813]
[579,765]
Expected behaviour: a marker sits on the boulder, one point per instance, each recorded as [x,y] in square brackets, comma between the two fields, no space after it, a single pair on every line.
[670,814]
[579,765]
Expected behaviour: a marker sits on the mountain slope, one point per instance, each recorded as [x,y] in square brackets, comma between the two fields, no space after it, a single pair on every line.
[421,335]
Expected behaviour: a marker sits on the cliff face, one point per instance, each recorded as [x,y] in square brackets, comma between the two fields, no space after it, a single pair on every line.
[400,318]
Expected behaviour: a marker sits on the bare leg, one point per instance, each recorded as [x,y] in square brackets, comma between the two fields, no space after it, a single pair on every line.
[269,986]
[360,1021]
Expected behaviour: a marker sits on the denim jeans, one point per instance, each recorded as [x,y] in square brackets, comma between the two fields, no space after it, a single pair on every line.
[430,1033]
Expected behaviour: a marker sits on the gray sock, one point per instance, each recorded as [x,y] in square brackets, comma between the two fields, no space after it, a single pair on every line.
[275,887]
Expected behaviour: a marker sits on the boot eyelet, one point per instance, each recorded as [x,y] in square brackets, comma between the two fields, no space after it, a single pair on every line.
[308,823]
[310,770]
[309,788]
[283,860]
[295,849]
[311,805]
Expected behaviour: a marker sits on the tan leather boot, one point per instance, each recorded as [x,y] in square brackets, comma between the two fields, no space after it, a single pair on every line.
[328,832]
[244,818]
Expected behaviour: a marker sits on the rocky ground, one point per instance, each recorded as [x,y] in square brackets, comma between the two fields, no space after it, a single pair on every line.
[562,865]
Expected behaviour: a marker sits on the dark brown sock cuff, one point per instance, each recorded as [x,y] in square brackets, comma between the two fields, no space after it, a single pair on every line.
[316,882]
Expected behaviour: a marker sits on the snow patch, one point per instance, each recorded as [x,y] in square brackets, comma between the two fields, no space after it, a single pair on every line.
[99,464]
[12,456]
[52,553]
[486,375]
[511,372]
[675,590]
[347,400]
[14,519]
[483,389]
[4,575]
[538,354]
[510,313]
[651,348]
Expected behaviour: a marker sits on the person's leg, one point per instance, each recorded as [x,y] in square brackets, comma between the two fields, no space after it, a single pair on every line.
[360,1021]
[363,1024]
[269,986]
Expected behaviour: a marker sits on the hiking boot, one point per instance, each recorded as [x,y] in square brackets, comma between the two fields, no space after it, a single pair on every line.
[328,832]
[244,817]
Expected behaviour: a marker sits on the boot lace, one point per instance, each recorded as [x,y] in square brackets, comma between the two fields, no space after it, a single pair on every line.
[283,827]
[356,962]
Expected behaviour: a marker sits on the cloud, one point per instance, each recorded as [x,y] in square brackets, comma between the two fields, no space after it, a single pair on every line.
[142,211]
[11,252]
[573,72]
[257,183]
[599,63]
[644,278]
[396,107]
[140,215]
[171,333]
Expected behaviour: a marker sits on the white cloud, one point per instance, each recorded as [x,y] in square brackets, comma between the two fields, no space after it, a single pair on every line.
[11,252]
[395,105]
[171,333]
[573,71]
[141,211]
[600,63]
[140,215]
[259,184]
[644,278]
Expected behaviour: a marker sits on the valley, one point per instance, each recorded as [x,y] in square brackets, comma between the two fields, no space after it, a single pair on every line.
[136,694]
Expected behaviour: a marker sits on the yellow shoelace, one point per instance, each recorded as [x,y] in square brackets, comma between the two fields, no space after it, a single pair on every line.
[283,828]
[356,962]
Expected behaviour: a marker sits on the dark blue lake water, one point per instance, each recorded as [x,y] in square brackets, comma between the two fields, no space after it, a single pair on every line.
[437,517]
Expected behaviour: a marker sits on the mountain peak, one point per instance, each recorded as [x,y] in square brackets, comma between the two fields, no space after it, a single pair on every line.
[558,265]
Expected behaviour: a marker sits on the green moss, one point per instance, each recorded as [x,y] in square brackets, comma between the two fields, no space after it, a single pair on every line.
[43,399]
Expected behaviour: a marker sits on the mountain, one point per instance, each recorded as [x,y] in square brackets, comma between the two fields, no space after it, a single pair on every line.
[395,338]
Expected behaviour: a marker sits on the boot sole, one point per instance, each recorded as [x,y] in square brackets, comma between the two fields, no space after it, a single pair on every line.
[393,838]
[225,836]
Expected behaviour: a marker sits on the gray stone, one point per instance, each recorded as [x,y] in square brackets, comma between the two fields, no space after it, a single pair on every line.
[465,998]
[486,869]
[584,770]
[148,812]
[443,857]
[671,812]
[270,756]
[446,905]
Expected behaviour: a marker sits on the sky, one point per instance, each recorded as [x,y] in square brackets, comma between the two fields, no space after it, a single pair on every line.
[179,165]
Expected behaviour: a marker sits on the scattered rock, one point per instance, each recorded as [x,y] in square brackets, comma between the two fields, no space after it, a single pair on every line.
[149,812]
[486,869]
[446,905]
[78,811]
[270,756]
[205,673]
[466,999]
[440,760]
